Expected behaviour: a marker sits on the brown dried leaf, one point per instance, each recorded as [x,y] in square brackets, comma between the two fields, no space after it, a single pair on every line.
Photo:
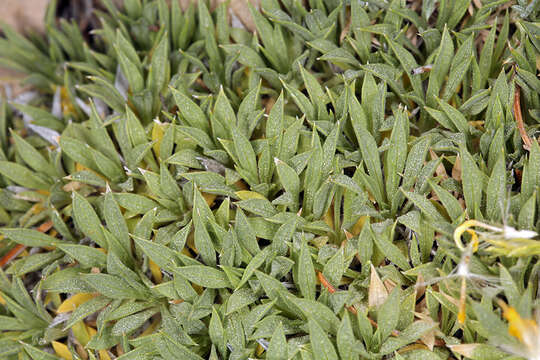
[377,291]
[519,120]
[420,287]
[466,350]
[241,10]
[440,171]
[238,7]
[456,169]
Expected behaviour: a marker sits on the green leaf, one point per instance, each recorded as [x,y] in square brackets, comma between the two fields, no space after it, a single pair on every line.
[240,299]
[160,254]
[391,251]
[455,116]
[30,237]
[277,349]
[370,155]
[22,176]
[205,276]
[527,213]
[486,55]
[129,62]
[444,58]
[245,233]
[261,207]
[345,339]
[450,203]
[190,111]
[472,182]
[412,333]
[170,349]
[159,67]
[496,190]
[388,313]
[322,347]
[87,256]
[306,273]
[130,323]
[86,309]
[87,220]
[135,203]
[37,354]
[115,221]
[203,242]
[459,68]
[275,122]
[111,286]
[396,155]
[408,63]
[216,332]
[245,150]
[424,205]
[31,156]
[253,265]
[289,179]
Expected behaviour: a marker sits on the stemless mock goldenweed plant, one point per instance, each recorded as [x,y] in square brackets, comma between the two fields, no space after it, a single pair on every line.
[175,184]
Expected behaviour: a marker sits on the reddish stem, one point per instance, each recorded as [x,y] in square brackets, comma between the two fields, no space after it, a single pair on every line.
[12,254]
[19,248]
[519,120]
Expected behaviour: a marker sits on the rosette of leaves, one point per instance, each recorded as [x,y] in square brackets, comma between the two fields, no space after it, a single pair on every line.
[178,187]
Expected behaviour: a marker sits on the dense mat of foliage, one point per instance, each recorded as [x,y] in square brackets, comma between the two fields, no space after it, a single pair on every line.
[354,180]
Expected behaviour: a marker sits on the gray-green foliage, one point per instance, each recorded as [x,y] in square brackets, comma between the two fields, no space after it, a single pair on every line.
[227,191]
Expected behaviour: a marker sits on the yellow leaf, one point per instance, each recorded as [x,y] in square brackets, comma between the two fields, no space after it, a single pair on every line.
[209,198]
[61,350]
[157,136]
[91,330]
[104,355]
[156,271]
[355,230]
[246,195]
[150,329]
[259,350]
[73,302]
[48,298]
[80,167]
[80,332]
[67,105]
[241,184]
[329,217]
